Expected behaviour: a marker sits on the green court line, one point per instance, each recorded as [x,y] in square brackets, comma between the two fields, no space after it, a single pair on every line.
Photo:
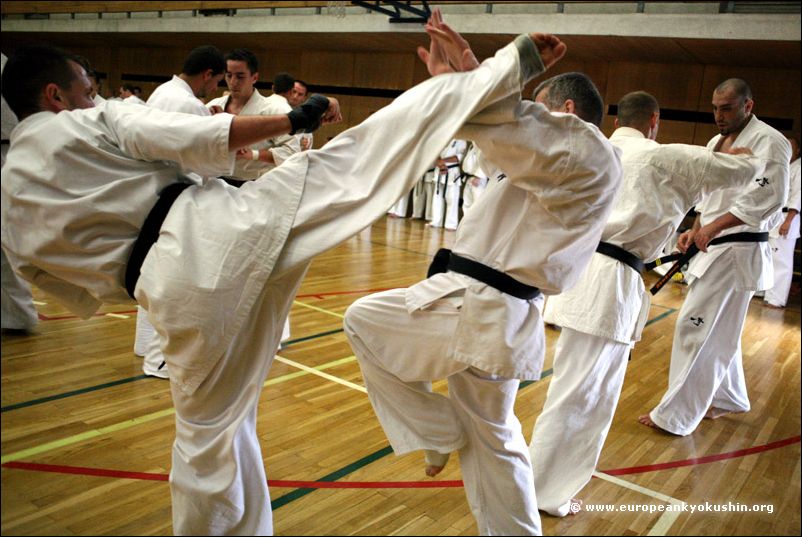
[334,476]
[90,389]
[71,394]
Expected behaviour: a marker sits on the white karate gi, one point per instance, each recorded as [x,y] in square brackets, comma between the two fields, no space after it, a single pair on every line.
[603,315]
[282,147]
[476,177]
[562,176]
[133,99]
[17,311]
[422,195]
[782,248]
[400,207]
[453,183]
[228,261]
[706,365]
[174,95]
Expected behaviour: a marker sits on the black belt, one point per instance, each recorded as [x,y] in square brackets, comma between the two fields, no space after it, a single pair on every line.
[681,259]
[5,142]
[616,252]
[233,181]
[150,233]
[445,260]
[786,209]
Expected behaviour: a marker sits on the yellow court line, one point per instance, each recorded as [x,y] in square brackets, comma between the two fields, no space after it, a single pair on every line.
[666,519]
[332,378]
[327,312]
[39,303]
[94,433]
[117,315]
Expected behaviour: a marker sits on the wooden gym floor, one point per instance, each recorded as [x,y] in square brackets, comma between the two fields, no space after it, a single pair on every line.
[86,438]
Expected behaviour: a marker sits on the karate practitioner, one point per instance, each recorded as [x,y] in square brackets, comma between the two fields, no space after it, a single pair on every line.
[782,239]
[227,262]
[535,229]
[300,91]
[18,311]
[603,315]
[706,377]
[203,70]
[242,72]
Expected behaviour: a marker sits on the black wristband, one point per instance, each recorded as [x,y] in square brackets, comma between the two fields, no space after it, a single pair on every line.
[306,117]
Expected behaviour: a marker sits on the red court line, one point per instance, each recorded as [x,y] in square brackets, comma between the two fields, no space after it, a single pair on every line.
[703,460]
[99,472]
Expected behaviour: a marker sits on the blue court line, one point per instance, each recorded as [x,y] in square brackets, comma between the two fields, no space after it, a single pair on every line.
[89,389]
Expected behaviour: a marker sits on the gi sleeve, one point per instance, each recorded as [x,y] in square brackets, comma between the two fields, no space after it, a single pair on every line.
[195,143]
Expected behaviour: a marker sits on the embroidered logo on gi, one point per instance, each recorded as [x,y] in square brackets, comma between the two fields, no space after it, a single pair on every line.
[763,181]
[697,321]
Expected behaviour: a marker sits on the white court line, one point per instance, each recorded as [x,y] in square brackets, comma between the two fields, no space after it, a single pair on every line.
[39,303]
[117,315]
[666,520]
[322,374]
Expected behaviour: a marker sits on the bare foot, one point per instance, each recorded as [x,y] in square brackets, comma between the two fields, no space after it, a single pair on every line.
[550,47]
[647,421]
[575,507]
[773,306]
[715,413]
[435,461]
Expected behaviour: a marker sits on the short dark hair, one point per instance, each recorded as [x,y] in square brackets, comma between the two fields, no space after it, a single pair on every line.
[740,87]
[203,58]
[128,87]
[244,55]
[579,88]
[29,70]
[636,109]
[283,82]
[301,82]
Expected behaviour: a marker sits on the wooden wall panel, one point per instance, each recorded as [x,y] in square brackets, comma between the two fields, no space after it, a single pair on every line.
[328,68]
[273,62]
[674,86]
[385,70]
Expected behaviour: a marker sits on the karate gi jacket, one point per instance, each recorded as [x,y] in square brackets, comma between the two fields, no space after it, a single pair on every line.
[176,96]
[282,147]
[661,184]
[539,225]
[759,206]
[793,201]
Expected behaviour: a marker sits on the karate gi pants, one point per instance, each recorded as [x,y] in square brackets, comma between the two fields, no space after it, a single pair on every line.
[422,198]
[18,311]
[783,255]
[438,202]
[217,481]
[147,345]
[706,363]
[400,207]
[452,198]
[570,432]
[400,354]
